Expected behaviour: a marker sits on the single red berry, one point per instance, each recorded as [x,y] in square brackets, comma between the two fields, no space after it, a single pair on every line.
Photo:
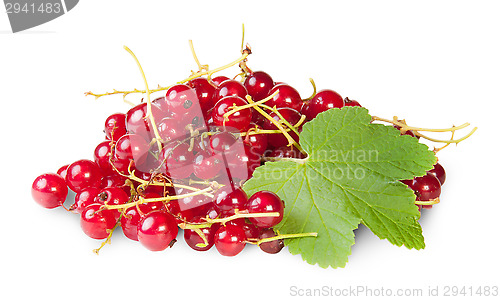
[85,198]
[287,97]
[157,230]
[83,174]
[206,165]
[426,187]
[278,139]
[322,101]
[271,247]
[132,215]
[63,171]
[115,126]
[257,143]
[49,190]
[102,153]
[349,102]
[230,240]
[178,160]
[204,92]
[96,223]
[229,88]
[228,199]
[439,172]
[219,79]
[195,241]
[240,120]
[258,85]
[265,202]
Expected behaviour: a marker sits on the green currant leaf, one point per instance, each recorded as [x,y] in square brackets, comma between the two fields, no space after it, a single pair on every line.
[351,175]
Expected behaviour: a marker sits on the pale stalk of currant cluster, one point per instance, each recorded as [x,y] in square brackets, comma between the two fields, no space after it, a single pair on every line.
[283,236]
[430,202]
[237,215]
[416,130]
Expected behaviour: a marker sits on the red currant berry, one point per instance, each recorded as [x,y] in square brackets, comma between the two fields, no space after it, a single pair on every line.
[63,171]
[222,141]
[271,247]
[102,153]
[439,172]
[349,102]
[115,126]
[257,143]
[49,190]
[194,240]
[139,123]
[206,165]
[229,88]
[426,187]
[252,232]
[178,160]
[132,147]
[289,114]
[157,230]
[287,97]
[322,101]
[96,223]
[229,240]
[204,92]
[228,200]
[258,85]
[83,174]
[219,79]
[131,217]
[85,198]
[113,196]
[239,120]
[265,202]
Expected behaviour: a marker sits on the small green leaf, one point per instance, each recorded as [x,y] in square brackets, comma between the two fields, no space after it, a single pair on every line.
[351,175]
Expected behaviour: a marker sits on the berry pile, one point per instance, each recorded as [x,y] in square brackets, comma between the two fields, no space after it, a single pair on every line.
[179,161]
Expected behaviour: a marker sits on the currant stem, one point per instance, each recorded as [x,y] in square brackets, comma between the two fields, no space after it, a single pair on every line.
[200,66]
[430,202]
[143,200]
[314,90]
[108,239]
[148,93]
[447,141]
[237,215]
[286,236]
[249,105]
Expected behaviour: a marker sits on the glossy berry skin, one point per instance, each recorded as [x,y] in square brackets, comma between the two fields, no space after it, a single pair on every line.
[258,85]
[115,126]
[194,240]
[137,122]
[49,190]
[219,79]
[229,240]
[241,163]
[96,223]
[83,174]
[228,200]
[287,97]
[178,98]
[271,247]
[130,219]
[206,165]
[170,129]
[229,88]
[439,172]
[265,202]
[204,92]
[113,196]
[132,147]
[239,120]
[222,142]
[278,139]
[252,232]
[322,101]
[85,198]
[102,153]
[426,187]
[157,230]
[349,102]
[62,171]
[257,143]
[178,160]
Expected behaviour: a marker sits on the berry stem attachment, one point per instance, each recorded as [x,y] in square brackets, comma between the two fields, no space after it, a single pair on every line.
[430,202]
[148,98]
[108,239]
[314,90]
[285,236]
[237,215]
[249,105]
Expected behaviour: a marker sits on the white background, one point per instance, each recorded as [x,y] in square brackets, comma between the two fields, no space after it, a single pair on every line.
[435,63]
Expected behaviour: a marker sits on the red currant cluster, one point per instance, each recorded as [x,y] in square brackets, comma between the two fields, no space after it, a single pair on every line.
[180,161]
